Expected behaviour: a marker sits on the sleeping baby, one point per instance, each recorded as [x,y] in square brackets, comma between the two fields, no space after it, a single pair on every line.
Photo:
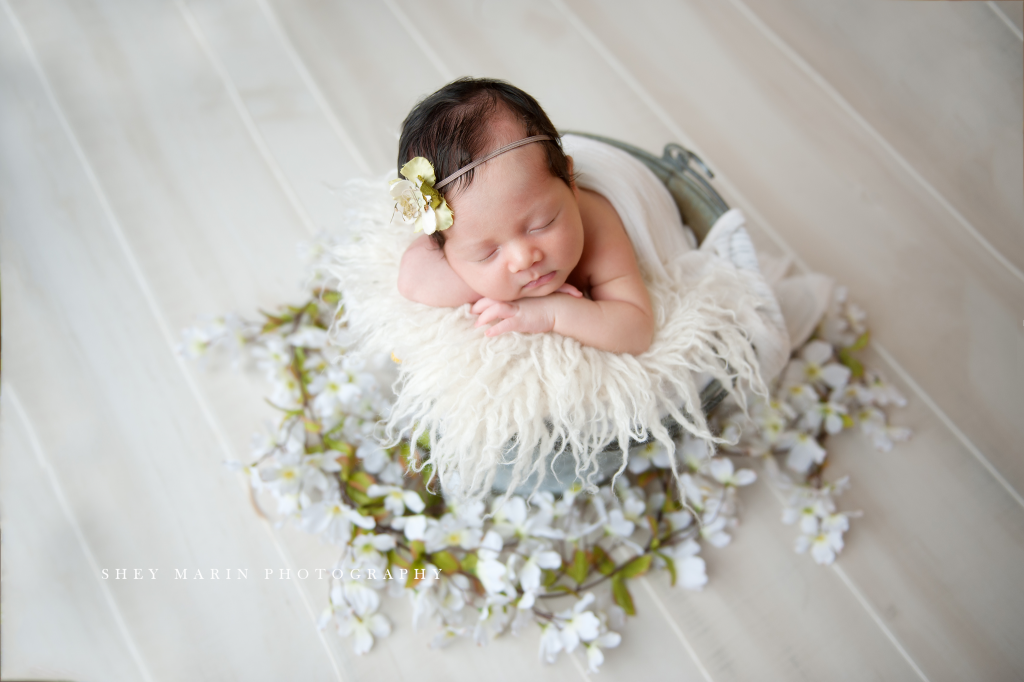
[507,229]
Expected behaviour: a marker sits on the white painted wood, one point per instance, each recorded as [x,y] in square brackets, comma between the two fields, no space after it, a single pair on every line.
[195,123]
[941,83]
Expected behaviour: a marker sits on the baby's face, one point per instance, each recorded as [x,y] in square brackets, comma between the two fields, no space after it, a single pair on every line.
[517,230]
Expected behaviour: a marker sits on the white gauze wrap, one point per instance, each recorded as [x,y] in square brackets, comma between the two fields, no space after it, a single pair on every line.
[475,395]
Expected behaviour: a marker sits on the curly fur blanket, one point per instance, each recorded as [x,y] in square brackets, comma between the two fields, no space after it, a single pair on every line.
[486,402]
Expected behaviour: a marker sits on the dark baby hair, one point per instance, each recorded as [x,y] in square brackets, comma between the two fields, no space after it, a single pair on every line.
[450,128]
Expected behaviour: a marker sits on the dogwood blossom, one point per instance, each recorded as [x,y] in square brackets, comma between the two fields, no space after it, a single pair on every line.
[804,450]
[721,469]
[397,500]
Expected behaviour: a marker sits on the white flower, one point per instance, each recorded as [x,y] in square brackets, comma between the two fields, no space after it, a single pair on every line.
[721,469]
[579,625]
[694,452]
[273,355]
[334,518]
[873,424]
[358,594]
[642,457]
[368,548]
[804,451]
[529,574]
[408,199]
[414,527]
[824,545]
[288,473]
[812,367]
[595,657]
[801,396]
[451,531]
[363,630]
[691,571]
[334,393]
[194,342]
[771,417]
[550,642]
[374,457]
[511,519]
[308,336]
[830,413]
[883,393]
[397,500]
[713,531]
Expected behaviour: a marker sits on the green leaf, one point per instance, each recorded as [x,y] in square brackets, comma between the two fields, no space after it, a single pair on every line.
[861,342]
[622,596]
[603,563]
[469,562]
[445,561]
[359,497]
[549,577]
[847,421]
[637,566]
[671,565]
[653,523]
[417,549]
[361,481]
[578,569]
[412,579]
[398,560]
[856,368]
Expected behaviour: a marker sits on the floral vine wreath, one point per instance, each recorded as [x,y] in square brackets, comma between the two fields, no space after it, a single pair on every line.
[550,562]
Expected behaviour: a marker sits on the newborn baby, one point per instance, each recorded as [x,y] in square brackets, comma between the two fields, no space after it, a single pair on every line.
[528,248]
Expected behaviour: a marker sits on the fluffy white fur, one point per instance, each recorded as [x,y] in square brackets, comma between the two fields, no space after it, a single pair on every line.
[477,396]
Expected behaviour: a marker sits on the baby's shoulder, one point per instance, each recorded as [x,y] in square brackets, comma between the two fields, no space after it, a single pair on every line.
[607,250]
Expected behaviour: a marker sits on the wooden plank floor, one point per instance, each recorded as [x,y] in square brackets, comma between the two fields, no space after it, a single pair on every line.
[161,159]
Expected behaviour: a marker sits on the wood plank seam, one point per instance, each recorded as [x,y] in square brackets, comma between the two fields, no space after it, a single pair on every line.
[76,528]
[762,222]
[675,628]
[1005,19]
[149,297]
[812,74]
[311,85]
[247,120]
[960,435]
[417,37]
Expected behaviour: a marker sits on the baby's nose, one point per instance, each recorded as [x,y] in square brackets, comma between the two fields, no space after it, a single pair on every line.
[524,257]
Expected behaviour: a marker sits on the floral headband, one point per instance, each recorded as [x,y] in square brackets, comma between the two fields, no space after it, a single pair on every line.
[417,197]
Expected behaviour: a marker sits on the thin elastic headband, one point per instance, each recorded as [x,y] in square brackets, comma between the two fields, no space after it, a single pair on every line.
[501,150]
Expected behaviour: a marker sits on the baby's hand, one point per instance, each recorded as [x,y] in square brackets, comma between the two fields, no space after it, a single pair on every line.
[529,315]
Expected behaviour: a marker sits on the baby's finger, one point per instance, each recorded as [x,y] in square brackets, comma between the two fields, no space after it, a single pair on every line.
[482,305]
[569,289]
[496,311]
[506,325]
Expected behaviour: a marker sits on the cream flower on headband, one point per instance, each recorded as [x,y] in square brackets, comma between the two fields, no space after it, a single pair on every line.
[417,200]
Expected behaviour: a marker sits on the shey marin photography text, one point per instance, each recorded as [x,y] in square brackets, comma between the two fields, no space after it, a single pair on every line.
[267,574]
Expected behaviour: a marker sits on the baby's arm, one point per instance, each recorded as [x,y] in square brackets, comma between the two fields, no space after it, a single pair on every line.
[426,277]
[617,319]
